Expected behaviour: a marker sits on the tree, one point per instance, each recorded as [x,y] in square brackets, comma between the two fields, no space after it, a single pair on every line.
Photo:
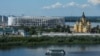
[68,29]
[27,29]
[32,30]
[95,29]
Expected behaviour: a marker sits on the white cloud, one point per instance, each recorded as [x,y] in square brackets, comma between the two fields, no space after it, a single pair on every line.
[85,5]
[94,2]
[56,5]
[46,7]
[71,4]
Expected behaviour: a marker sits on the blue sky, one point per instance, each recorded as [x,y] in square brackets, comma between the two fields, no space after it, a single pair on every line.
[50,7]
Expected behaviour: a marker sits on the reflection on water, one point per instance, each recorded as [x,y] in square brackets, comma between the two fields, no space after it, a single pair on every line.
[55,55]
[84,52]
[82,48]
[87,53]
[71,50]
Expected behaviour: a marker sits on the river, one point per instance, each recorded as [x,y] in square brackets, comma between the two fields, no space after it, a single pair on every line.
[71,50]
[93,24]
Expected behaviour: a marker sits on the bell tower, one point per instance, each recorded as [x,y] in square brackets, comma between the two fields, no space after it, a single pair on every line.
[83,19]
[83,15]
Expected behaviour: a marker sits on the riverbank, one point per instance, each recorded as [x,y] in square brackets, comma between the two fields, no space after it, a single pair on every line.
[46,40]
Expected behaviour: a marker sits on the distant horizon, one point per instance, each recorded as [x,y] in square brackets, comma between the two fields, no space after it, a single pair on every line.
[50,16]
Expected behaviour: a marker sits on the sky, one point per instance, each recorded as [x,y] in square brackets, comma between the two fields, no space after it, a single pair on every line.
[50,7]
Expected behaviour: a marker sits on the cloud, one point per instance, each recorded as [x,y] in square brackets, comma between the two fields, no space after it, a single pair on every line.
[85,5]
[70,4]
[94,2]
[73,4]
[56,5]
[46,7]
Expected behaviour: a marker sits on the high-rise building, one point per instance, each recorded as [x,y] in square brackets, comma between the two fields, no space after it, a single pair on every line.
[3,21]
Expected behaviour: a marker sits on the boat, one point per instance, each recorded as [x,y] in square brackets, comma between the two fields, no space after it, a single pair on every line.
[55,52]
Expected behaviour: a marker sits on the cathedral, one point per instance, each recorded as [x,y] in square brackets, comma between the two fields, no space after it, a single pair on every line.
[82,25]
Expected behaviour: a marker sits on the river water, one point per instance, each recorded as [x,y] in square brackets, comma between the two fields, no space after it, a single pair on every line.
[71,50]
[93,24]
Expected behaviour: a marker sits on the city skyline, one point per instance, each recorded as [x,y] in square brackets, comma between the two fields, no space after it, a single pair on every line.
[50,7]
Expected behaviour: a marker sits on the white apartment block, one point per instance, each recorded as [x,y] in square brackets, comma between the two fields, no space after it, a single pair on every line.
[36,21]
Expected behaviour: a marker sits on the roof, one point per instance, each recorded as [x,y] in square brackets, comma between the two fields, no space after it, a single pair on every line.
[83,15]
[7,29]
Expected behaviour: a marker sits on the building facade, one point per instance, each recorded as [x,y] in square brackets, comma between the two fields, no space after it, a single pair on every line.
[3,21]
[83,25]
[36,21]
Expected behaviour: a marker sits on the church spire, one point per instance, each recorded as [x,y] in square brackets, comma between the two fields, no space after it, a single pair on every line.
[83,15]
